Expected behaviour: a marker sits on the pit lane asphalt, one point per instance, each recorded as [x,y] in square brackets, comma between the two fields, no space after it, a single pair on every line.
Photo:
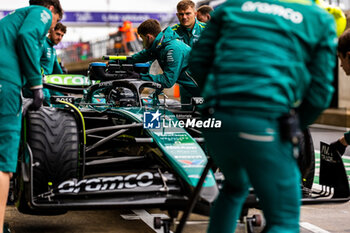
[107,221]
[314,218]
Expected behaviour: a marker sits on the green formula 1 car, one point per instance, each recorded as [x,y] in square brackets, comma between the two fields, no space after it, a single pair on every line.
[108,140]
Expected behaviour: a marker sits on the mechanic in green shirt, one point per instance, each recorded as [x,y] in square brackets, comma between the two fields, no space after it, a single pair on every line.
[188,29]
[340,145]
[171,53]
[255,62]
[22,33]
[48,61]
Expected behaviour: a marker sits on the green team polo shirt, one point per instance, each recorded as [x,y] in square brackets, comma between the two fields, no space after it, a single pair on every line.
[267,56]
[48,58]
[22,33]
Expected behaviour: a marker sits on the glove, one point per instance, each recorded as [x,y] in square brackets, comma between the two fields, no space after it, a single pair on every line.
[38,98]
[337,147]
[133,75]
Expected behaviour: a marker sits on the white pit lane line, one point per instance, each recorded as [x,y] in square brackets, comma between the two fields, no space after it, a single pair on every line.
[312,228]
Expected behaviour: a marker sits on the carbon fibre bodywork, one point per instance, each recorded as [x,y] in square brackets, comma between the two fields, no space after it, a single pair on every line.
[119,161]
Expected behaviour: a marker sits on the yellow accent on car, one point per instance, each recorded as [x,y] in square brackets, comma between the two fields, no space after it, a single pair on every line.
[81,116]
[114,58]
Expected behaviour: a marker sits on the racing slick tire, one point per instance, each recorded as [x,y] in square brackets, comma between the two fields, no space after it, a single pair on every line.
[52,135]
[306,160]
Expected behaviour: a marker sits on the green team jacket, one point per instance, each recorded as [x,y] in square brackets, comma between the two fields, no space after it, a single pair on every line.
[172,55]
[22,34]
[48,60]
[189,36]
[267,56]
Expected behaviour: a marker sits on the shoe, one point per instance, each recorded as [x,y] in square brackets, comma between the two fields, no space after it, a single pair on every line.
[6,228]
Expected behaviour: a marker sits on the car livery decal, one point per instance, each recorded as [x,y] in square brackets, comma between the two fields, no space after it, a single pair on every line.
[69,80]
[192,162]
[178,146]
[131,181]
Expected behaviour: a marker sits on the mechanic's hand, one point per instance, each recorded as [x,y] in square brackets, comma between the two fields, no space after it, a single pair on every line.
[133,74]
[38,98]
[337,147]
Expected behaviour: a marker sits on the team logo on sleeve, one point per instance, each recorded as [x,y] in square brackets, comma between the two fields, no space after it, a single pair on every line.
[45,17]
[48,54]
[169,56]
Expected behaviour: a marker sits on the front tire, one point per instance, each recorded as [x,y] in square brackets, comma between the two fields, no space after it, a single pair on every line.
[52,135]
